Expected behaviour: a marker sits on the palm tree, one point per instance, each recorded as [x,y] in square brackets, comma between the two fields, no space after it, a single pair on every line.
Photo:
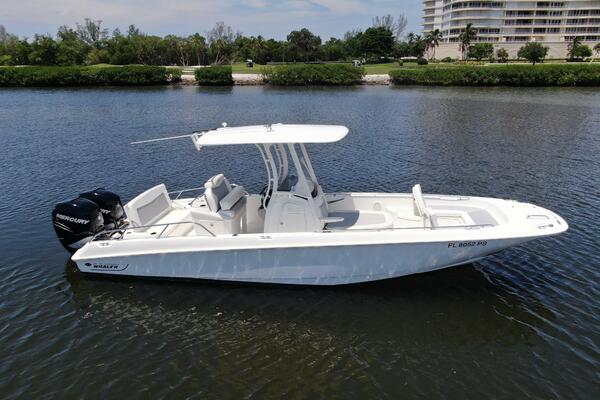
[572,46]
[466,37]
[258,47]
[417,45]
[433,40]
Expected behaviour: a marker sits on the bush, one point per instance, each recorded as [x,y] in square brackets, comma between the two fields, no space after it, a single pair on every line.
[85,76]
[174,74]
[400,63]
[448,60]
[216,75]
[322,74]
[533,52]
[97,56]
[580,51]
[480,51]
[505,75]
[502,55]
[6,60]
[422,61]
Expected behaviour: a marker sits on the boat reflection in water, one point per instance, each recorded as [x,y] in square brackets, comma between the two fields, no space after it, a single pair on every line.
[468,308]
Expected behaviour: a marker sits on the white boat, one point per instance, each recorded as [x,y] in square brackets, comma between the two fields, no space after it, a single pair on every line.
[293,232]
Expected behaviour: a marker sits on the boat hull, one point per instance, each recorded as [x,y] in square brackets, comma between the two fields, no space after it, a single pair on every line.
[322,265]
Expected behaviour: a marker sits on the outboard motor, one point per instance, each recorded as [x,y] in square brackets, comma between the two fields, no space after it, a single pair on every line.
[76,222]
[110,206]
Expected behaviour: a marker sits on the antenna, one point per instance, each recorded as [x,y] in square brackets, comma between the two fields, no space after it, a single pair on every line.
[161,139]
[191,135]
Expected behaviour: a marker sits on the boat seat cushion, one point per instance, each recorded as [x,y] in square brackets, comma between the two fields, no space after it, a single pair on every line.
[420,206]
[149,206]
[231,199]
[217,188]
[353,219]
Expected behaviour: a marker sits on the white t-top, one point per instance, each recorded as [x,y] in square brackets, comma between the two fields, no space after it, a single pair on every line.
[275,133]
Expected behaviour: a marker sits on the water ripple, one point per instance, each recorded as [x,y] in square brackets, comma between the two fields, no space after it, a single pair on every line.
[522,323]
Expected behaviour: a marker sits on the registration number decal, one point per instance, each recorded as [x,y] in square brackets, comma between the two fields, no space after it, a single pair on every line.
[458,245]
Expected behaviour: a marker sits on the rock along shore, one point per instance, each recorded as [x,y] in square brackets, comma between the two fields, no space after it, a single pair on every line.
[257,79]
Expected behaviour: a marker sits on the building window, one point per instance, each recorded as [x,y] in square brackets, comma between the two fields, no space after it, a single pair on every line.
[550,4]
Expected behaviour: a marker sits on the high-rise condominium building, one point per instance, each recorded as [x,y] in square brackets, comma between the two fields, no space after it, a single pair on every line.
[516,21]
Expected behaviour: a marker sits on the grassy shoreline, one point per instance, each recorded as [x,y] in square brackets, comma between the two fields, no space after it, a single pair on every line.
[434,74]
[520,75]
[386,68]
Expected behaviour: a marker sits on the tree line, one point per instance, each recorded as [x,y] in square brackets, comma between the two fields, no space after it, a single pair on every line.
[90,43]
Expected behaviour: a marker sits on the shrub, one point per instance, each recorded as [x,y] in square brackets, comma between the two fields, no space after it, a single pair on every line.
[480,51]
[6,59]
[174,74]
[580,51]
[216,75]
[97,56]
[448,60]
[533,52]
[400,63]
[322,74]
[85,76]
[506,75]
[502,55]
[422,61]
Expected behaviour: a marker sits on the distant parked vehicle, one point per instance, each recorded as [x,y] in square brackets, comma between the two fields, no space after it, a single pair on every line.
[356,63]
[249,63]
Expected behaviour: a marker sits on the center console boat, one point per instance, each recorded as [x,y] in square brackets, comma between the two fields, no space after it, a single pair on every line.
[293,232]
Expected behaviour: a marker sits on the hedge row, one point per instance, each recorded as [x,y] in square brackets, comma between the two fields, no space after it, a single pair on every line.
[87,76]
[501,75]
[216,75]
[313,74]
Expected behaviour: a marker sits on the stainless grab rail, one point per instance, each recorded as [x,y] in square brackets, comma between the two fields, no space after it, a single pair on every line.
[131,228]
[180,192]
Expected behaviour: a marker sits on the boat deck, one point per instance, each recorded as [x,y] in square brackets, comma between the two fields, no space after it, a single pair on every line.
[349,211]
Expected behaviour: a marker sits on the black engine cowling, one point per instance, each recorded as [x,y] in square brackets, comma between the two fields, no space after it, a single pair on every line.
[76,221]
[110,206]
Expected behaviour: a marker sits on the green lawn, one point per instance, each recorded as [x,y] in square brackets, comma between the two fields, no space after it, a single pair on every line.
[103,66]
[240,68]
[376,69]
[372,69]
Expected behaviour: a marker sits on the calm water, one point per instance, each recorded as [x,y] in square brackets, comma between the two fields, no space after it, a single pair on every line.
[522,323]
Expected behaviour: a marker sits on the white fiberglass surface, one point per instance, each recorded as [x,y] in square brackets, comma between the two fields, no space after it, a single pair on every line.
[271,133]
[350,212]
